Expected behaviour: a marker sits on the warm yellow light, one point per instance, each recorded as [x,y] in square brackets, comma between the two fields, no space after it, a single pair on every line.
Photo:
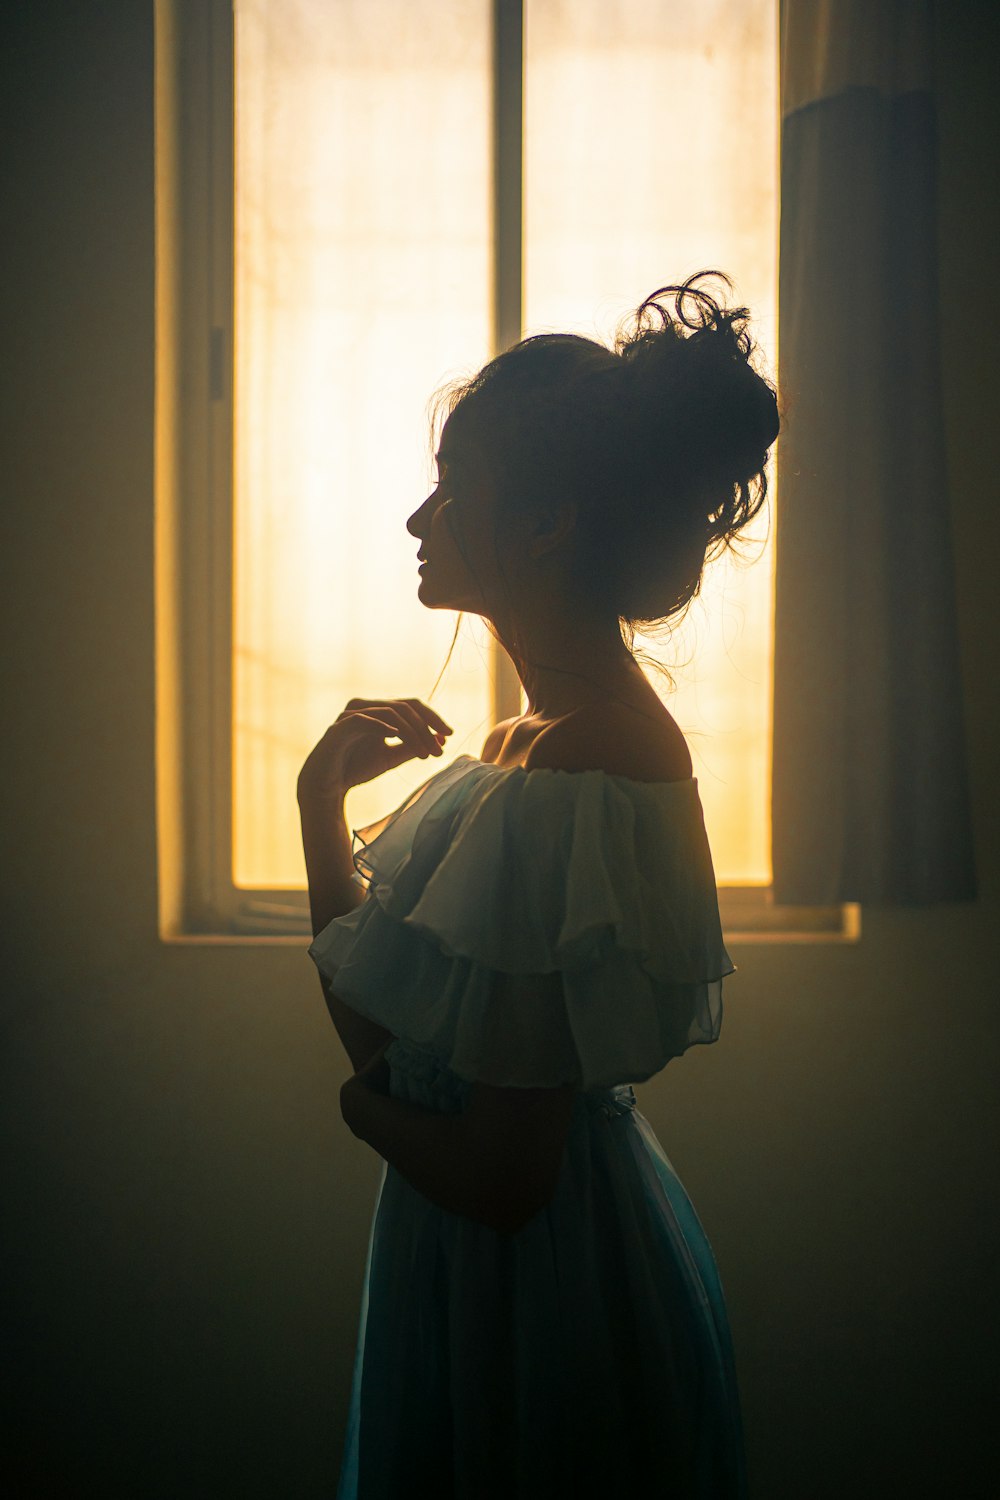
[363,282]
[651,151]
[363,234]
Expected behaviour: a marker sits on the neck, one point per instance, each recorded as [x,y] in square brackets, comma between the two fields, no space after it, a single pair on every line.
[566,663]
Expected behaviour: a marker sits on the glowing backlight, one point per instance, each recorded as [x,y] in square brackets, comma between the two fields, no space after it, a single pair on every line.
[651,151]
[363,282]
[363,234]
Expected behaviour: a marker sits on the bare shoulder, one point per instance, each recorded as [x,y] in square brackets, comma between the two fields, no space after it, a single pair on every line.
[617,739]
[494,740]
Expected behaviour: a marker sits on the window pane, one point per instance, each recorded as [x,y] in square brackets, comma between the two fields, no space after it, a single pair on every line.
[363,235]
[651,151]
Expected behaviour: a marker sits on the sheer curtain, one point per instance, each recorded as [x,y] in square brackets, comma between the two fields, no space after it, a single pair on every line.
[651,151]
[363,236]
[363,281]
[870,796]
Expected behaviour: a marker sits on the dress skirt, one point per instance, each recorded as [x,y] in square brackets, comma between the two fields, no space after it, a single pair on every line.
[589,1351]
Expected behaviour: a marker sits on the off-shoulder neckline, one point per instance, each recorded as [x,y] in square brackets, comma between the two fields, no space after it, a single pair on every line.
[686,781]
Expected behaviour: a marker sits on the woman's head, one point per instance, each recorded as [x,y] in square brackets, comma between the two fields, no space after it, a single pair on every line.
[609,476]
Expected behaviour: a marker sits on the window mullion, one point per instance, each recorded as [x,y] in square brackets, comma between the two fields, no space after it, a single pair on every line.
[508,242]
[508,151]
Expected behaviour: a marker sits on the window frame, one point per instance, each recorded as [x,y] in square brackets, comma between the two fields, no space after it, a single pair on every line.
[195,159]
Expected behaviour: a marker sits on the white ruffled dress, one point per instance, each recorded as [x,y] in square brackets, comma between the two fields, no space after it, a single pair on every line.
[592,1348]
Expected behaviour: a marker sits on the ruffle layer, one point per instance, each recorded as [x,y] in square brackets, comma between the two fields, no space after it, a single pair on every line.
[532,928]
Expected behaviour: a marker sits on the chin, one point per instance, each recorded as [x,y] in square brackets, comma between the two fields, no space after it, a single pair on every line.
[442,600]
[431,603]
[437,600]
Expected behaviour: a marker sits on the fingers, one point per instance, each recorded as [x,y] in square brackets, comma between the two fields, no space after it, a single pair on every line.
[435,720]
[417,724]
[416,715]
[393,720]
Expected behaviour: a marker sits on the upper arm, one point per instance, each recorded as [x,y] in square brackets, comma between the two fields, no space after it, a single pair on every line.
[495,738]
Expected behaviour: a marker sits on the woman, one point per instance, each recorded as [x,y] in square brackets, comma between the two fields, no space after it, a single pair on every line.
[536,929]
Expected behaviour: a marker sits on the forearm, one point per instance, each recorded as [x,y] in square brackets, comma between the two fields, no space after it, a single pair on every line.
[326,842]
[434,1152]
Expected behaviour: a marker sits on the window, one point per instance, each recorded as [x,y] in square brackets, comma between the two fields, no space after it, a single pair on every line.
[357,203]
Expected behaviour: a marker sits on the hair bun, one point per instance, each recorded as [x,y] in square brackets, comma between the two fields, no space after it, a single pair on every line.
[660,443]
[691,387]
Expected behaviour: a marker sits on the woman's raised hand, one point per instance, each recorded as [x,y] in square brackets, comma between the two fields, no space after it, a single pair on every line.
[353,750]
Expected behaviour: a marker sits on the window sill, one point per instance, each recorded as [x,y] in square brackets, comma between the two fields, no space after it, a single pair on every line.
[749,915]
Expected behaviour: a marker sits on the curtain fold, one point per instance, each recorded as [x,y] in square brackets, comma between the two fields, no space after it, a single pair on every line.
[870,799]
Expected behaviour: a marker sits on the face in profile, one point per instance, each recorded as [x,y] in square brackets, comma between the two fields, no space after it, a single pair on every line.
[455,528]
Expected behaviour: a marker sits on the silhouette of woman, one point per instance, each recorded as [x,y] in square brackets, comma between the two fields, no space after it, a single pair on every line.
[536,929]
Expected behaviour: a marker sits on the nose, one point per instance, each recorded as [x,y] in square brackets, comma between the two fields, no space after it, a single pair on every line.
[412,525]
